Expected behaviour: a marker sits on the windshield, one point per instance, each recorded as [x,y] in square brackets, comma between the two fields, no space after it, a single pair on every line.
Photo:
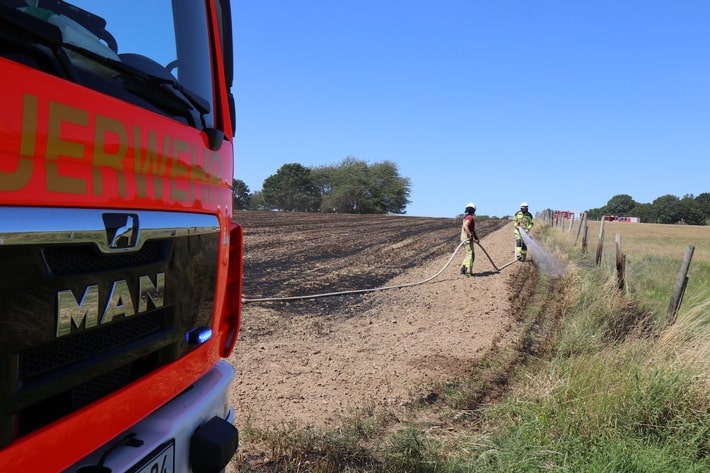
[152,53]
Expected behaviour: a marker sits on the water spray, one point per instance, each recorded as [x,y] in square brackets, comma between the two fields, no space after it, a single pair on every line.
[544,260]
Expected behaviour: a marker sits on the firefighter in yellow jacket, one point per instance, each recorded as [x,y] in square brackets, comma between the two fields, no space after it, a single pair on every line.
[468,234]
[522,220]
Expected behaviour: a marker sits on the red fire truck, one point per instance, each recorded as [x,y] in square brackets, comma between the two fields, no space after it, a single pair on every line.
[120,262]
[563,214]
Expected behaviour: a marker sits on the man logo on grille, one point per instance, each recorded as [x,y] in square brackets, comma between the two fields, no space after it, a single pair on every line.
[121,230]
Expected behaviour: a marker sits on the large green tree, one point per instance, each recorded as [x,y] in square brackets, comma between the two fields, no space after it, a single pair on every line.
[691,212]
[668,209]
[240,194]
[620,204]
[256,202]
[703,201]
[390,191]
[343,187]
[353,186]
[292,188]
[644,212]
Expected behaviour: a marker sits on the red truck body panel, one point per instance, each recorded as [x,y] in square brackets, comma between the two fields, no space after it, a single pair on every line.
[65,145]
[62,443]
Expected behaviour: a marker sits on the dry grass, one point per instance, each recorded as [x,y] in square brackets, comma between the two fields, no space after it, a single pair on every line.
[664,241]
[619,395]
[687,342]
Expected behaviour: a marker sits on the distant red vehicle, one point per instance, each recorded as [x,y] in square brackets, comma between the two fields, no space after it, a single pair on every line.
[563,214]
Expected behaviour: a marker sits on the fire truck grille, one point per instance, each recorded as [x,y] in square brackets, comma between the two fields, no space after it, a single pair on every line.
[79,321]
[67,351]
[99,387]
[86,259]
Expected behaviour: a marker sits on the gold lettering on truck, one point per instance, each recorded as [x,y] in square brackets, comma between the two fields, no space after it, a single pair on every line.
[179,170]
[105,158]
[61,116]
[17,179]
[163,167]
[150,163]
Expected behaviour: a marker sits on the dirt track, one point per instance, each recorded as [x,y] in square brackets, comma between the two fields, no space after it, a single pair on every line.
[314,361]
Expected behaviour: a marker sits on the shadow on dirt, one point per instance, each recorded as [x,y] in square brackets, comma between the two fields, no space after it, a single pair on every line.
[484,274]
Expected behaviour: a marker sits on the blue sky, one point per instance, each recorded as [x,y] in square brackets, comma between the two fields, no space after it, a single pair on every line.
[562,104]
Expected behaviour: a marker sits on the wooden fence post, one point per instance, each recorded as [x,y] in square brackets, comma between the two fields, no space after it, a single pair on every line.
[584,239]
[582,221]
[680,285]
[600,244]
[620,264]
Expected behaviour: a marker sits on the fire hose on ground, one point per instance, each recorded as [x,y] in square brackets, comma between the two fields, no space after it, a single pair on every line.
[360,291]
[491,259]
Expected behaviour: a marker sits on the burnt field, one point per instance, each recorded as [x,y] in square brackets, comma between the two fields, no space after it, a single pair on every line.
[296,254]
[314,361]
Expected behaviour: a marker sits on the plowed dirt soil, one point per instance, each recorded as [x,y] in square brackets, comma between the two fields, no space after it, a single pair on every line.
[306,360]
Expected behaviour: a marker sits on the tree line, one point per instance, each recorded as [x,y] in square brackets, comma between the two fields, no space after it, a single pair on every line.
[692,210]
[352,186]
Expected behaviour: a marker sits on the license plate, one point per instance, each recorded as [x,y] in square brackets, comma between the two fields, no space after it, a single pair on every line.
[163,461]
